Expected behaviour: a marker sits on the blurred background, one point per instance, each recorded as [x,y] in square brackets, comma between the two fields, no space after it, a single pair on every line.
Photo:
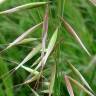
[81,15]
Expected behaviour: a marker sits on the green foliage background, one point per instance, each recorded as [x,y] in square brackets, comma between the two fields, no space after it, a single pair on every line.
[81,14]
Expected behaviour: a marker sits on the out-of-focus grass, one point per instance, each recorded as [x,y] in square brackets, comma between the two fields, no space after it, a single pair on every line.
[81,14]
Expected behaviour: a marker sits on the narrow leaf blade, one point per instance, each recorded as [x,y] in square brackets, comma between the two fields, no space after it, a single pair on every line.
[29,56]
[49,49]
[52,80]
[93,2]
[73,33]
[44,33]
[20,38]
[68,85]
[81,77]
[27,40]
[81,86]
[22,7]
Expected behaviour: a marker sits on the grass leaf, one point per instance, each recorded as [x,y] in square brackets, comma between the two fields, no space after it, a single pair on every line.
[20,38]
[68,85]
[31,80]
[35,93]
[93,2]
[81,86]
[52,79]
[30,55]
[44,34]
[73,33]
[23,7]
[2,1]
[6,83]
[50,48]
[36,62]
[27,40]
[92,64]
[81,77]
[30,70]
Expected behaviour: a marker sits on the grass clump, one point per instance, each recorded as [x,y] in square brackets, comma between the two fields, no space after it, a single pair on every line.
[55,65]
